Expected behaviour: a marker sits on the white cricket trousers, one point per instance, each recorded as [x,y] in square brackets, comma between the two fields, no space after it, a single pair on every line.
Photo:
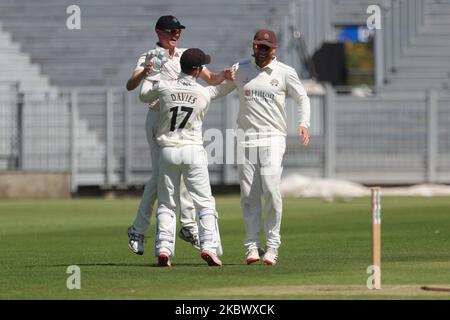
[190,163]
[260,176]
[150,194]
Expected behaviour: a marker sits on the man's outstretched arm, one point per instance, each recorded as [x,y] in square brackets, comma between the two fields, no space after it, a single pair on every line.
[214,79]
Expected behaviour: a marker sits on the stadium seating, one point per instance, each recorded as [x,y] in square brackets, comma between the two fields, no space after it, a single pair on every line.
[425,59]
[114,33]
[17,68]
[41,54]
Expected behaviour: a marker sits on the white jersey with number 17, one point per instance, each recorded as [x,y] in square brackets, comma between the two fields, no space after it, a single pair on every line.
[183,104]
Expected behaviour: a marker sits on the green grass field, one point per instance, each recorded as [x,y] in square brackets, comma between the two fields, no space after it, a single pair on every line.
[324,255]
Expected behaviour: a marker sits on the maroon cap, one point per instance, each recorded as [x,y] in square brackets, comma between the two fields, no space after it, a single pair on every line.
[194,58]
[266,37]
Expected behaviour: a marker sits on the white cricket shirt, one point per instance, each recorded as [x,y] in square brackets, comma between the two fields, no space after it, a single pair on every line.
[171,68]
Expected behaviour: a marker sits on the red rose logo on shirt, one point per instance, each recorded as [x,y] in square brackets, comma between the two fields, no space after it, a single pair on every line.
[274,82]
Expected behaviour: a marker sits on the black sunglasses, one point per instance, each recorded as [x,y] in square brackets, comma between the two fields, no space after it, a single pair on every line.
[172,31]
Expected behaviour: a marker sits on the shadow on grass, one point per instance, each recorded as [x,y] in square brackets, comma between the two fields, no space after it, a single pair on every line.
[146,265]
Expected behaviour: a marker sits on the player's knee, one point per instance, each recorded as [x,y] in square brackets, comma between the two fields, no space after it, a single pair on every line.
[273,195]
[250,202]
[165,208]
[207,213]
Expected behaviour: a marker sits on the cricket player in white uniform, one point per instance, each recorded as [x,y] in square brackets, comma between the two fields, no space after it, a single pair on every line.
[262,84]
[163,62]
[182,107]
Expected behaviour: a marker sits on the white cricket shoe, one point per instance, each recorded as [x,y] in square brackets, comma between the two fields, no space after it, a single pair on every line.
[164,260]
[271,256]
[211,258]
[186,235]
[136,241]
[252,256]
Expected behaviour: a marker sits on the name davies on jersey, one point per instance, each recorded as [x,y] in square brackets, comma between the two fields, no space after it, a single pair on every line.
[183,97]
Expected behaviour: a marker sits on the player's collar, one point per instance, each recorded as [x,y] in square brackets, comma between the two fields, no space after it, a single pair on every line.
[187,77]
[269,67]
